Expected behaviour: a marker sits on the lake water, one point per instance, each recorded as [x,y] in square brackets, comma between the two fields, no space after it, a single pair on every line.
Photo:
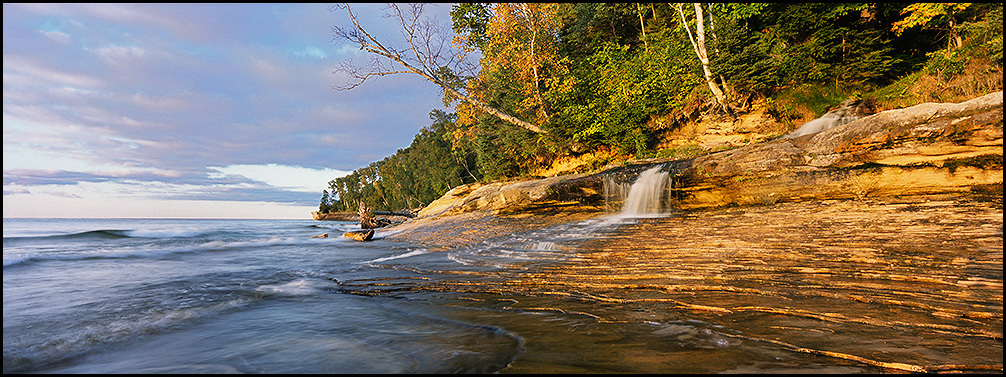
[263,296]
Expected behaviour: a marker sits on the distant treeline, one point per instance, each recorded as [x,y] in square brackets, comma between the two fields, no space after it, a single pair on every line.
[603,75]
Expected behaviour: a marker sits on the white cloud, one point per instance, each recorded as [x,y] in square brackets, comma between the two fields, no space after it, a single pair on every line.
[294,178]
[15,66]
[93,200]
[119,55]
[163,94]
[56,36]
[312,51]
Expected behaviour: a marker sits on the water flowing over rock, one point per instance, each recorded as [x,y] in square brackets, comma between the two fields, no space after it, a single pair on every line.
[931,148]
[847,111]
[826,244]
[647,195]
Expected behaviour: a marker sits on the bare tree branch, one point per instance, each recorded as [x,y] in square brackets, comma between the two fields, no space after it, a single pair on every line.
[429,53]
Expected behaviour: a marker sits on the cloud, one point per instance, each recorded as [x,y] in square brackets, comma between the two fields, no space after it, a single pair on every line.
[23,70]
[43,177]
[56,36]
[16,191]
[311,52]
[293,178]
[215,102]
[120,56]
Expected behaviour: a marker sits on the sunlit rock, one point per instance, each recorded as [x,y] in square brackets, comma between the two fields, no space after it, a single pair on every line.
[360,235]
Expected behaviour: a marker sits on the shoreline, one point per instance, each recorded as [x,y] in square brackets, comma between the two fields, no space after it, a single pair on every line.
[466,229]
[470,228]
[931,150]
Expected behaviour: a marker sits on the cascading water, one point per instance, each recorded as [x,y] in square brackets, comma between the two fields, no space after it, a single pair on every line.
[846,112]
[644,197]
[646,194]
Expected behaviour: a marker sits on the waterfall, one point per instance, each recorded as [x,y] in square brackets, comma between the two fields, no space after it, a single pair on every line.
[826,121]
[846,112]
[644,197]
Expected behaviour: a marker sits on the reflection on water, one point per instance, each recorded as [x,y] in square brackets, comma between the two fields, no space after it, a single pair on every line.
[838,286]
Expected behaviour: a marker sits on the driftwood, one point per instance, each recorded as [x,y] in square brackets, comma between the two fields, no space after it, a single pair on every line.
[390,213]
[367,220]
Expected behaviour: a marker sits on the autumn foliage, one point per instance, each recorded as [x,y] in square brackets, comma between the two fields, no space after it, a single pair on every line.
[614,76]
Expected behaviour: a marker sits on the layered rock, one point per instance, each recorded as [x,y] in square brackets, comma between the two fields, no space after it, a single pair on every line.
[575,192]
[925,149]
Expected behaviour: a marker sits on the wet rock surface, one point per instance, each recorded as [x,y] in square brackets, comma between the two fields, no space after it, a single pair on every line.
[875,246]
[360,235]
[922,150]
[901,284]
[875,285]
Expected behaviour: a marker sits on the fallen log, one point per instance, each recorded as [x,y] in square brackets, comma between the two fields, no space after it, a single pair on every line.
[390,213]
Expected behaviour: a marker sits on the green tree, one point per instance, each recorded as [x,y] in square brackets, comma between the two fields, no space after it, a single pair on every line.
[326,204]
[933,15]
[411,177]
[469,21]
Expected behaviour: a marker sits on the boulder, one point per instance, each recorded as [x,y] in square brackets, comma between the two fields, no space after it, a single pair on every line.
[360,235]
[321,236]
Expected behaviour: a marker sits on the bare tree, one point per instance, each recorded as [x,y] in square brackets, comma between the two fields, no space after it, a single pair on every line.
[429,54]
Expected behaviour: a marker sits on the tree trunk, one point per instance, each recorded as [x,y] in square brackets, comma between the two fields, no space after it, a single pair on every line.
[642,26]
[700,50]
[366,217]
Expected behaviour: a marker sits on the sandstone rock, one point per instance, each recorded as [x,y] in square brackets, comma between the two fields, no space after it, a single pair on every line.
[321,236]
[929,149]
[360,235]
[925,149]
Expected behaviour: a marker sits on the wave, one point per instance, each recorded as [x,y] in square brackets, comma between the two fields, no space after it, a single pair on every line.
[334,224]
[298,287]
[393,257]
[171,233]
[108,234]
[14,258]
[27,250]
[105,234]
[91,333]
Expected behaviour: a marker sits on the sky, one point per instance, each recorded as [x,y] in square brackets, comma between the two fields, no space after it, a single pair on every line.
[193,110]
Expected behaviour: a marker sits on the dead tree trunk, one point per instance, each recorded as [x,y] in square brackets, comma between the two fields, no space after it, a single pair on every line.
[366,217]
[428,52]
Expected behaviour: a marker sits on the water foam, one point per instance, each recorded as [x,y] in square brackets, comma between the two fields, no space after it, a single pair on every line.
[647,193]
[406,255]
[647,196]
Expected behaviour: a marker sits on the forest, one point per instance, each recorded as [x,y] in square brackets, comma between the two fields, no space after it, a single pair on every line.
[562,79]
